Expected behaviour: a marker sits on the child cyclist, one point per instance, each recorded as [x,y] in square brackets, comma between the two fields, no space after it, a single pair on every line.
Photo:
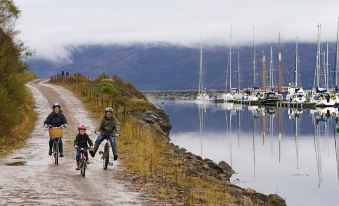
[82,140]
[109,129]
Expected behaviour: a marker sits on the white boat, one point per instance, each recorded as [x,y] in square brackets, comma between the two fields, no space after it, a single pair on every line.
[202,93]
[253,97]
[228,97]
[323,100]
[296,95]
[204,97]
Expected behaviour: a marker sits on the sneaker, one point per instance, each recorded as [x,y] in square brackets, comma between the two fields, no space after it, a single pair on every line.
[91,153]
[61,155]
[115,157]
[77,166]
[50,152]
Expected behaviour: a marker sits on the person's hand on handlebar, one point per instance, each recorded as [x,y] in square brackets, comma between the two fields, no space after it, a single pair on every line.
[117,135]
[75,146]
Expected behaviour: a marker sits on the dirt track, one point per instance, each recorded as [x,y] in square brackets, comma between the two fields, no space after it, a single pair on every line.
[35,180]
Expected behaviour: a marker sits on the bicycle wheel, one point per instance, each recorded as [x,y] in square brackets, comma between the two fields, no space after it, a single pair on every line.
[83,167]
[105,158]
[56,152]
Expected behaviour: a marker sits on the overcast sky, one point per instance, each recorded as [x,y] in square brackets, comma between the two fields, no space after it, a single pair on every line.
[49,25]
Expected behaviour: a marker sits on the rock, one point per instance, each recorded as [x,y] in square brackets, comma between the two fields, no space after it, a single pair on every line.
[149,120]
[275,200]
[226,167]
[17,163]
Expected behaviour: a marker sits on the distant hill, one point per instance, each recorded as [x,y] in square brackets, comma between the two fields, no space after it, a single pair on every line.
[153,67]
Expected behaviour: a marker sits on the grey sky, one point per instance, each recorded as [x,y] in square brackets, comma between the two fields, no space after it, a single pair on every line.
[49,25]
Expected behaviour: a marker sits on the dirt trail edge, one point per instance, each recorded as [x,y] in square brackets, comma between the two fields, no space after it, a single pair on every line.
[29,176]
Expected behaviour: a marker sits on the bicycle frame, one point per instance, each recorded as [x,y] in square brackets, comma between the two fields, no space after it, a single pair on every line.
[56,151]
[83,161]
[105,155]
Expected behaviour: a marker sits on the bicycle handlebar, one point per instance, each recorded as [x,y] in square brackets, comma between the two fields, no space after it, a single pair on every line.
[51,126]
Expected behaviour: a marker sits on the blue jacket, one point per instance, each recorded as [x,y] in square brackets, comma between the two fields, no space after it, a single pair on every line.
[56,119]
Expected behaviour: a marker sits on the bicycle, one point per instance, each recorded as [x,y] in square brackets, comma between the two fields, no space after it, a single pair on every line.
[55,151]
[83,161]
[57,134]
[105,155]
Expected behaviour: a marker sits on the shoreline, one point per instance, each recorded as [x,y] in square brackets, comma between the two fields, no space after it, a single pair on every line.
[164,171]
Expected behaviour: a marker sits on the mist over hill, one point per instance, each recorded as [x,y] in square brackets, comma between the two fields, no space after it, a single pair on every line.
[165,66]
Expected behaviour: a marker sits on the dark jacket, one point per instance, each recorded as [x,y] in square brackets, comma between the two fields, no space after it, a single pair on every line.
[82,140]
[56,119]
[109,126]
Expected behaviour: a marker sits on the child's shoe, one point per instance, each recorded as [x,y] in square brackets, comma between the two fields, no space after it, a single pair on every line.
[78,166]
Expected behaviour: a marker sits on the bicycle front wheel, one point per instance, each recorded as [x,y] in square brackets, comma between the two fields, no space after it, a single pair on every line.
[83,167]
[105,158]
[56,153]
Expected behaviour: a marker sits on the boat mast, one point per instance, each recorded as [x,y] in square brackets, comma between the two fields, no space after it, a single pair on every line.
[238,79]
[279,68]
[337,58]
[271,69]
[254,62]
[324,67]
[317,67]
[230,60]
[263,78]
[200,73]
[327,80]
[296,63]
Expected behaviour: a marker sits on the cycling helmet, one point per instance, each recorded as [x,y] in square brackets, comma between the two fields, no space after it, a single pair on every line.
[81,126]
[109,109]
[56,105]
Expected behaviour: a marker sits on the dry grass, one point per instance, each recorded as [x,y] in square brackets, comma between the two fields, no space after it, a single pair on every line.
[147,158]
[151,165]
[18,135]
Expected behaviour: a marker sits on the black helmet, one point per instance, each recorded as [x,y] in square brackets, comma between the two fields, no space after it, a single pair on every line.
[56,105]
[108,109]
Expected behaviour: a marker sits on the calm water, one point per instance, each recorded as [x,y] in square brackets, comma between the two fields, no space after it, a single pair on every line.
[292,153]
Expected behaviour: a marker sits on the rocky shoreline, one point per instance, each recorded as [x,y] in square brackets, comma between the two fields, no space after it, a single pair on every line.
[196,166]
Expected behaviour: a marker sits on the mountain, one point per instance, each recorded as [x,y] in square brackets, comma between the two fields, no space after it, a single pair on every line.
[165,66]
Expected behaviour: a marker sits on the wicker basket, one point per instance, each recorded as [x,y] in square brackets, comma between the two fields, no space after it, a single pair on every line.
[56,133]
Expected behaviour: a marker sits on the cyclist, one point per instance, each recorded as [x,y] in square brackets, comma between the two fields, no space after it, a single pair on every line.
[56,119]
[109,129]
[82,140]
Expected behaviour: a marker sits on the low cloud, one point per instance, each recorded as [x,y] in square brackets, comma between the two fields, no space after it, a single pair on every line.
[50,26]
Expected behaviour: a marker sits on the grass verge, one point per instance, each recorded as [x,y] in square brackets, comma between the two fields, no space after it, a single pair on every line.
[167,172]
[18,135]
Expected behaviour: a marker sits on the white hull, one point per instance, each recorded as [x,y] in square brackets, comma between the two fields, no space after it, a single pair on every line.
[204,97]
[228,97]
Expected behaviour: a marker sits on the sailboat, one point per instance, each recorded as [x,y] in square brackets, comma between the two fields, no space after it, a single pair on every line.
[228,96]
[337,67]
[296,94]
[202,93]
[253,97]
[320,96]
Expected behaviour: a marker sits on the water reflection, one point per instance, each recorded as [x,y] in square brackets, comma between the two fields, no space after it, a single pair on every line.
[286,151]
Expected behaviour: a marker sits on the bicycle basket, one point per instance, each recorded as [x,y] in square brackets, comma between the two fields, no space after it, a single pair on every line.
[56,133]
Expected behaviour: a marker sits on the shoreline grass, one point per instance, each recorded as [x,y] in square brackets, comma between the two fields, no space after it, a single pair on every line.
[155,165]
